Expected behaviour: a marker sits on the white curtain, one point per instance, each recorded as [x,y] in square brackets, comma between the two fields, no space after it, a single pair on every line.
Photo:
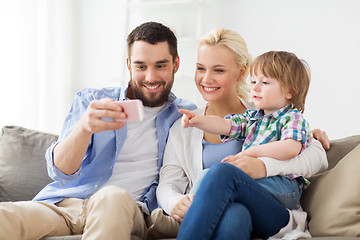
[36,43]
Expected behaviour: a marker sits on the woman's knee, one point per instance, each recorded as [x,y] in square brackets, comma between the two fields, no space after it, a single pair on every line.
[235,223]
[239,213]
[225,172]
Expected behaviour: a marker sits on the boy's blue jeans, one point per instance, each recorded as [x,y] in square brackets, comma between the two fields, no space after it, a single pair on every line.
[231,205]
[286,191]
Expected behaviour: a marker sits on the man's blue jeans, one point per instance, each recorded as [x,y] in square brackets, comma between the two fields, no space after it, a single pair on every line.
[231,205]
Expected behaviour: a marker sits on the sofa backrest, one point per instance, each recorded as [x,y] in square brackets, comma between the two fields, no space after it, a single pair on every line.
[22,162]
[340,147]
[23,166]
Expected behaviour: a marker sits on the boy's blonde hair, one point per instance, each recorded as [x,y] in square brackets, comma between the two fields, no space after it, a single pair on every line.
[237,45]
[292,73]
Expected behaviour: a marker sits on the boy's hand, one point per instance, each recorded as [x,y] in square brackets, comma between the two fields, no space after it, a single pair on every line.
[188,119]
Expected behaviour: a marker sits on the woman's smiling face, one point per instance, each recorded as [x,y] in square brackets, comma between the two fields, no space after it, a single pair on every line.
[217,73]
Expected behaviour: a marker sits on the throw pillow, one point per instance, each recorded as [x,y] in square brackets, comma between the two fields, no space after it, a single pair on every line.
[332,199]
[22,162]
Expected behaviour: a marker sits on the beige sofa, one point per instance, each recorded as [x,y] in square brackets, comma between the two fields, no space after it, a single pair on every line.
[332,200]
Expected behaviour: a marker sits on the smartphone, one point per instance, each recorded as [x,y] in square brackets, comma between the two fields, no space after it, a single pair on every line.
[133,108]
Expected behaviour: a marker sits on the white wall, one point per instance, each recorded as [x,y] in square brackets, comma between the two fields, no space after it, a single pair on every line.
[325,33]
[36,63]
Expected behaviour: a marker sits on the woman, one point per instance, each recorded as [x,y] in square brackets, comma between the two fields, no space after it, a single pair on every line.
[222,67]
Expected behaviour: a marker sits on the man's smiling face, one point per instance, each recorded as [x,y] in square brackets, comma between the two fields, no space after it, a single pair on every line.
[152,72]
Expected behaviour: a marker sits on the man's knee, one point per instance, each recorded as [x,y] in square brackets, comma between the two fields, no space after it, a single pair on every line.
[113,195]
[117,211]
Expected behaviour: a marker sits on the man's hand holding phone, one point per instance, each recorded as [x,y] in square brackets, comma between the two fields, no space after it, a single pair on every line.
[94,119]
[134,110]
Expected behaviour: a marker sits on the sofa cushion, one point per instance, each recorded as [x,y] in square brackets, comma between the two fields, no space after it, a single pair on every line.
[22,162]
[332,199]
[340,147]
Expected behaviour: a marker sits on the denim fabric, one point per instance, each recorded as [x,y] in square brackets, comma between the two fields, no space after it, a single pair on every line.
[231,205]
[231,220]
[286,191]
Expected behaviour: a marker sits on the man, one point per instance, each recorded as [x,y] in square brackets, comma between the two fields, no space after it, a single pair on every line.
[105,171]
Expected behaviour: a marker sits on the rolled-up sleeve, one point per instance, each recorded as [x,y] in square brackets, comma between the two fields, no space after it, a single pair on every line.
[294,126]
[239,123]
[53,172]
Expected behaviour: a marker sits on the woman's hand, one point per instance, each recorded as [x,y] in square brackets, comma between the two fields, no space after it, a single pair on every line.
[253,167]
[181,207]
[322,137]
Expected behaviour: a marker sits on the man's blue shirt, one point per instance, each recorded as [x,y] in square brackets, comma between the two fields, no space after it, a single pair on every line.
[104,147]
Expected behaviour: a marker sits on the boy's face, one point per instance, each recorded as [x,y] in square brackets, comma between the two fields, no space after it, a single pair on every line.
[152,72]
[267,93]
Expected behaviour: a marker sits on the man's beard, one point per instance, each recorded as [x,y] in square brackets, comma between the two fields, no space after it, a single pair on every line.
[151,101]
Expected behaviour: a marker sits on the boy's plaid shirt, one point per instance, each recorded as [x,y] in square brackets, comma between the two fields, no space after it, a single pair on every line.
[255,128]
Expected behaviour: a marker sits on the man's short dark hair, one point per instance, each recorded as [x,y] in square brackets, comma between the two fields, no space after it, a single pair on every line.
[153,33]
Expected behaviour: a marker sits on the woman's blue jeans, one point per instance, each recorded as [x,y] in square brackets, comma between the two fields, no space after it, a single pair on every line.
[231,205]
